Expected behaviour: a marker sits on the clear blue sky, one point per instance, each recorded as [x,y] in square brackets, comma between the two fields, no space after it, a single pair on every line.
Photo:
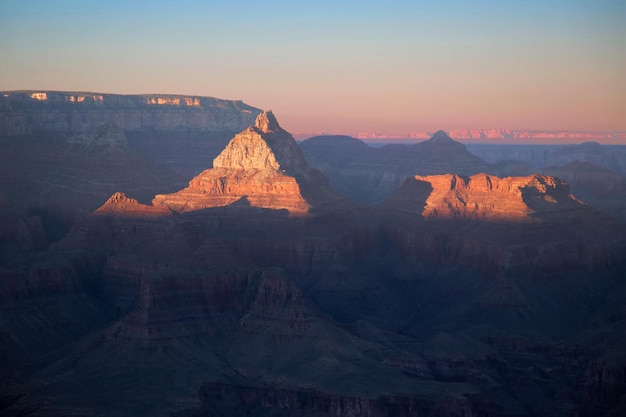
[342,67]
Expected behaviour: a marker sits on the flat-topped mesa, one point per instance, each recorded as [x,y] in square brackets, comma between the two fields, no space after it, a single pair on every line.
[261,167]
[24,113]
[484,197]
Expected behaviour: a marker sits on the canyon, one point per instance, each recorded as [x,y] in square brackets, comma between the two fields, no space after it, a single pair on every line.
[321,278]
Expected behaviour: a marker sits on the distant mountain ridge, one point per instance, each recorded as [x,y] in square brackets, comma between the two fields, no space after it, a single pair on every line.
[488,134]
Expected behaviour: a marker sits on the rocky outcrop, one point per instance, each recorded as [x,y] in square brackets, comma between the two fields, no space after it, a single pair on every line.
[26,112]
[122,206]
[516,226]
[265,147]
[261,167]
[483,197]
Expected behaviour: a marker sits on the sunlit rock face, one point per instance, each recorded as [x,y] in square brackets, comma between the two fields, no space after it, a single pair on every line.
[264,146]
[261,167]
[523,226]
[483,197]
[121,205]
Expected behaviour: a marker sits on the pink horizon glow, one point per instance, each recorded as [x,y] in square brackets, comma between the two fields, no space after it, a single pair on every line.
[339,67]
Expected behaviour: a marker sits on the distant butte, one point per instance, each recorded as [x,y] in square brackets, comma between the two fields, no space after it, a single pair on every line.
[484,197]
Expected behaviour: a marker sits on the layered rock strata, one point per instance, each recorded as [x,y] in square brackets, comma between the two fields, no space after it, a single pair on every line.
[261,167]
[484,197]
[515,226]
[121,205]
[28,112]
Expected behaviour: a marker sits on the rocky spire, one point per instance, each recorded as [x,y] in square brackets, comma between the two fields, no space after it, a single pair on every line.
[267,123]
[264,146]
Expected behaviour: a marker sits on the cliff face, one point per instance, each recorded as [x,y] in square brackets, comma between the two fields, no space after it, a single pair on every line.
[26,112]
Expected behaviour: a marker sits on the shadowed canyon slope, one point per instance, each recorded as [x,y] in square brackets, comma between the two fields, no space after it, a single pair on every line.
[179,132]
[260,290]
[77,171]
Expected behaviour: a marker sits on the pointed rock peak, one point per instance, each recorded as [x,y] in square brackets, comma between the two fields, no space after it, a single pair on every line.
[264,146]
[121,205]
[266,122]
[120,197]
[440,135]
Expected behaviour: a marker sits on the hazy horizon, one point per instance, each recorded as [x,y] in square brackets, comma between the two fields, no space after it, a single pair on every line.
[343,68]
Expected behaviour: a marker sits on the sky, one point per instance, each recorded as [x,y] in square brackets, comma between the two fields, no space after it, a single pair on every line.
[338,66]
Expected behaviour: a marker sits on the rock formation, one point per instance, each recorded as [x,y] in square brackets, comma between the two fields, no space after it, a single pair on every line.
[369,174]
[27,112]
[121,205]
[484,197]
[523,226]
[261,167]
